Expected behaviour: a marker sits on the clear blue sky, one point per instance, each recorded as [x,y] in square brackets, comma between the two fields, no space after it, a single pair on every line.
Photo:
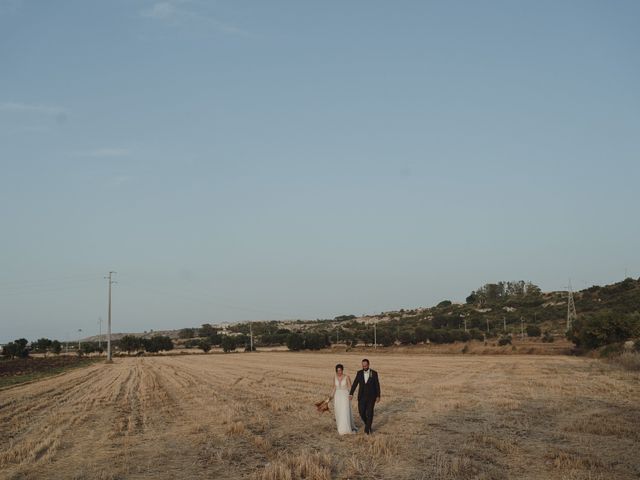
[258,160]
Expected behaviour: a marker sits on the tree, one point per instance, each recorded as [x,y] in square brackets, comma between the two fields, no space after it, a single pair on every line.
[315,341]
[407,336]
[11,350]
[17,348]
[56,347]
[444,303]
[228,343]
[207,330]
[204,345]
[129,343]
[295,342]
[186,333]
[158,343]
[385,337]
[88,347]
[604,328]
[422,334]
[41,345]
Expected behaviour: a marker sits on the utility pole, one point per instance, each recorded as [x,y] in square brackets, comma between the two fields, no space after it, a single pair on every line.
[375,337]
[99,332]
[251,337]
[522,327]
[79,332]
[504,324]
[487,325]
[109,359]
[465,323]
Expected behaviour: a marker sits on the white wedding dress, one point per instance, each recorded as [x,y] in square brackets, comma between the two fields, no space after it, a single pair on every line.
[342,407]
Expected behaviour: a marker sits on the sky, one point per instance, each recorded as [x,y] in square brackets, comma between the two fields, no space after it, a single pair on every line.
[250,160]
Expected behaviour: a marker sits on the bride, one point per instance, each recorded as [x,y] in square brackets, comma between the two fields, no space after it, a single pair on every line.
[341,402]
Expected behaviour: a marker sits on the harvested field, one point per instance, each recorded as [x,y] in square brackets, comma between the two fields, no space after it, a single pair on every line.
[252,416]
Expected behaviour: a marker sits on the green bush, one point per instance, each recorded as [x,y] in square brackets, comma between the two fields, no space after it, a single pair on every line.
[603,329]
[533,331]
[228,343]
[504,341]
[295,342]
[157,343]
[204,345]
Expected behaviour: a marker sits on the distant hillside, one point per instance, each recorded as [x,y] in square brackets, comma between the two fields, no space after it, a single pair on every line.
[492,310]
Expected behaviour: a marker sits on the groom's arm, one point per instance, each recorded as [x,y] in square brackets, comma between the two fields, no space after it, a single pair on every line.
[378,386]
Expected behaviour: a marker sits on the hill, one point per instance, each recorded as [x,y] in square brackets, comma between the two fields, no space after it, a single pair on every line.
[494,309]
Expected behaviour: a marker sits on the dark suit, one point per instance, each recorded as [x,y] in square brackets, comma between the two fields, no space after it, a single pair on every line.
[368,393]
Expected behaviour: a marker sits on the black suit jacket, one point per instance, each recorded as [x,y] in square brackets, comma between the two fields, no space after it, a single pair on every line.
[369,390]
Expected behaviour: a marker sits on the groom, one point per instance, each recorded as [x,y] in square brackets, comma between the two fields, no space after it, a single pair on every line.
[368,393]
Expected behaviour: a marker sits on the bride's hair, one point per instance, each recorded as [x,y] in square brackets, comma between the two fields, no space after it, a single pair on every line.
[339,366]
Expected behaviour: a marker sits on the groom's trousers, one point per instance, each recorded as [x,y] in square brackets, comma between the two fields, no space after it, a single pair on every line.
[365,409]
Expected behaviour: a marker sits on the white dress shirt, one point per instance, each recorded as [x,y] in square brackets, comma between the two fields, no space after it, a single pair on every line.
[366,375]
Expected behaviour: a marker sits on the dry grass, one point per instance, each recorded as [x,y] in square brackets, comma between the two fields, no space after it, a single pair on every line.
[627,360]
[252,415]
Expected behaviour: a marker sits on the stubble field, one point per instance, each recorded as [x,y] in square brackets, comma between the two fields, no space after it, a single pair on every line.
[252,416]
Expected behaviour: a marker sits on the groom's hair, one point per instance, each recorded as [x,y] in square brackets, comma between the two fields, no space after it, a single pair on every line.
[365,360]
[339,366]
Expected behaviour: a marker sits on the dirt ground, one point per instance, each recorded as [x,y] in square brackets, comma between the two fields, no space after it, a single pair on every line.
[251,415]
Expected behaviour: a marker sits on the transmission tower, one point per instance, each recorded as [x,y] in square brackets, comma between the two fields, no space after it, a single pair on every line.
[571,309]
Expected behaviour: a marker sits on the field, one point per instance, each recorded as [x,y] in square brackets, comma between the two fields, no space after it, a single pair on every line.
[252,416]
[20,370]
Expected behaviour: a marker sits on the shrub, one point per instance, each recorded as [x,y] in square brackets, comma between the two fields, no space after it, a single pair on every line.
[533,331]
[628,360]
[547,337]
[228,343]
[476,334]
[604,328]
[504,341]
[611,350]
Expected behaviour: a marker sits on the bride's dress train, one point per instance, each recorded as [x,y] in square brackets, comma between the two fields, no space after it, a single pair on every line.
[342,407]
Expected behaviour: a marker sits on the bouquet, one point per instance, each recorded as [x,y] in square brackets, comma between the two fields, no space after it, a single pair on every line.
[323,405]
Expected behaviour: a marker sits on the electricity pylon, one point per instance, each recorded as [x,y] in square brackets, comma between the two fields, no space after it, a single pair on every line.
[571,309]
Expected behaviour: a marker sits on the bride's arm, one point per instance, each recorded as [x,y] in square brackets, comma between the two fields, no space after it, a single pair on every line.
[349,382]
[333,391]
